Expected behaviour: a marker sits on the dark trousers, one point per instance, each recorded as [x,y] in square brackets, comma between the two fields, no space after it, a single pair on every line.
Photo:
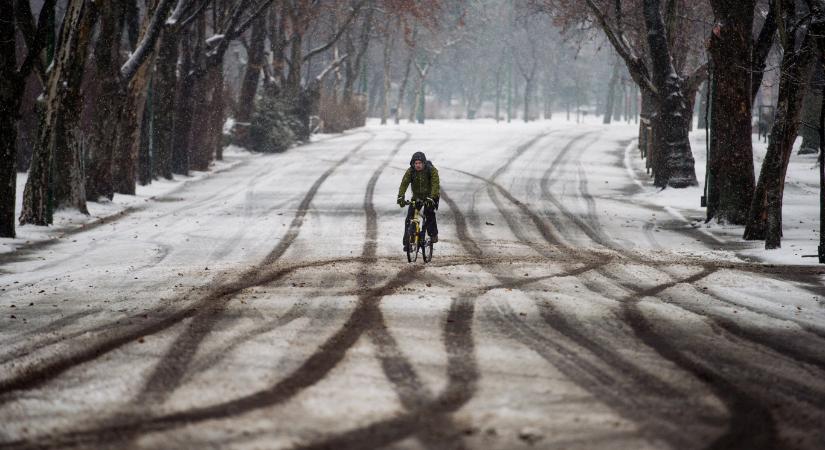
[429,219]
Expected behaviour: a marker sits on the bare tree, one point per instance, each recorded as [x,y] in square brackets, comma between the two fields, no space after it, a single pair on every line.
[765,214]
[12,85]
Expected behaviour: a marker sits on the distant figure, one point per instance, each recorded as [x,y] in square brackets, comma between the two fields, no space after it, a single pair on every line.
[423,177]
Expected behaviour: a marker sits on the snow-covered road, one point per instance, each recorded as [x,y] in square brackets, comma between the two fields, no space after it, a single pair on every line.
[271,306]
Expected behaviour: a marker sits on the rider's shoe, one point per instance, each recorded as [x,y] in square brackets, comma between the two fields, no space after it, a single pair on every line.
[434,239]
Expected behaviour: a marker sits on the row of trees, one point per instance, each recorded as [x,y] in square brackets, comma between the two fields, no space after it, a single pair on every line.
[126,91]
[670,47]
[153,82]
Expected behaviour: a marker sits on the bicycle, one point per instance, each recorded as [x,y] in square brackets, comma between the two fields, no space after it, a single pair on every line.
[417,235]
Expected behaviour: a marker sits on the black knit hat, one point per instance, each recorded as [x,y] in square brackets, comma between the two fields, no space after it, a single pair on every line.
[418,156]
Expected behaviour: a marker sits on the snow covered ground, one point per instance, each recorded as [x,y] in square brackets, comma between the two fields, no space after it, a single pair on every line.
[801,208]
[569,305]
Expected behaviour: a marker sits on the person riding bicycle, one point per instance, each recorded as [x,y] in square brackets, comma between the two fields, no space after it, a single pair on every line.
[422,176]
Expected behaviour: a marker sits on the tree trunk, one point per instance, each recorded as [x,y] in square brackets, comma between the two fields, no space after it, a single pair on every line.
[184,104]
[277,44]
[388,45]
[198,128]
[620,103]
[498,93]
[355,65]
[403,88]
[731,150]
[419,86]
[11,94]
[611,94]
[677,160]
[350,69]
[762,48]
[293,79]
[765,215]
[8,148]
[645,126]
[252,75]
[145,142]
[703,105]
[199,131]
[56,175]
[129,135]
[809,128]
[217,115]
[163,104]
[528,88]
[108,105]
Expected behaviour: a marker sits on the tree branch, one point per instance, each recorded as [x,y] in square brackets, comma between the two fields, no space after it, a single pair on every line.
[355,10]
[762,47]
[35,38]
[635,65]
[144,48]
[248,22]
[331,67]
[696,78]
[195,13]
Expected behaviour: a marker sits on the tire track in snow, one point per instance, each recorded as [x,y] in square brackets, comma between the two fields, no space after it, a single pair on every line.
[426,420]
[743,407]
[767,340]
[578,369]
[366,318]
[732,401]
[43,371]
[397,368]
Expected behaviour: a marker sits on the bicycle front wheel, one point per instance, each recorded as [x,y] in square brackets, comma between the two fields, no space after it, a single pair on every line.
[427,251]
[412,244]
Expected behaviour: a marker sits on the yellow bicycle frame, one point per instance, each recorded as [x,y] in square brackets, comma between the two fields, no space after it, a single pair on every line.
[417,221]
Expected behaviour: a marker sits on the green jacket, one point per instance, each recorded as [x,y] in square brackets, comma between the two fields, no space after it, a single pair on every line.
[423,186]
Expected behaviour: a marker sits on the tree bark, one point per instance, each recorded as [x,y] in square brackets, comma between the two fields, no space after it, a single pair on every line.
[144,159]
[252,74]
[611,94]
[293,79]
[108,107]
[416,99]
[809,128]
[184,104]
[163,107]
[645,128]
[11,94]
[528,91]
[731,151]
[677,169]
[217,115]
[199,131]
[56,175]
[703,106]
[389,43]
[354,65]
[765,215]
[761,49]
[130,137]
[403,88]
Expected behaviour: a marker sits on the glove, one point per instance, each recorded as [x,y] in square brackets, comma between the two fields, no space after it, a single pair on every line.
[429,203]
[400,202]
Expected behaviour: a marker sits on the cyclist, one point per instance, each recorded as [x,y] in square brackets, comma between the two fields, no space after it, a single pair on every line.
[423,177]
